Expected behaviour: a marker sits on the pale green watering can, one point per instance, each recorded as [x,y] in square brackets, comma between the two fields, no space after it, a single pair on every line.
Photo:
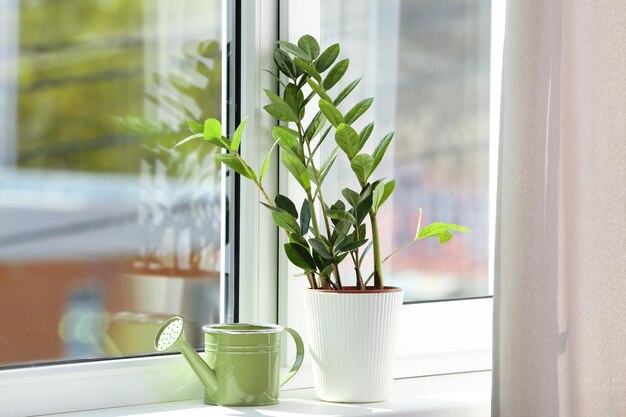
[241,361]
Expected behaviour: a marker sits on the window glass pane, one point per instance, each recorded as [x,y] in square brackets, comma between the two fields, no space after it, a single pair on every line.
[105,230]
[426,62]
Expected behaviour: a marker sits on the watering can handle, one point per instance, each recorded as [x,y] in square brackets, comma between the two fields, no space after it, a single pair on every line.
[299,355]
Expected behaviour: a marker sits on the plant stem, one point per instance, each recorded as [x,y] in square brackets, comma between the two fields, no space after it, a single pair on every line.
[415,239]
[312,282]
[325,215]
[316,230]
[319,143]
[336,270]
[254,179]
[264,193]
[357,269]
[378,267]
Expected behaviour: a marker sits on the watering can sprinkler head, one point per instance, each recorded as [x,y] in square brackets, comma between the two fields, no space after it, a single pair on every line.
[169,334]
[172,336]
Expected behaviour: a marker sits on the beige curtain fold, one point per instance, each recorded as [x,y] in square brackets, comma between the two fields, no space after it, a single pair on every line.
[560,291]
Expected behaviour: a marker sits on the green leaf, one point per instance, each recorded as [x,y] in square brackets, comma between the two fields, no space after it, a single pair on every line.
[327,271]
[237,136]
[320,262]
[325,240]
[335,74]
[300,256]
[458,228]
[363,208]
[350,246]
[294,50]
[285,204]
[333,115]
[287,140]
[266,162]
[338,235]
[309,45]
[187,139]
[359,232]
[339,205]
[269,207]
[343,240]
[367,190]
[441,231]
[305,216]
[299,72]
[379,152]
[321,249]
[365,135]
[295,166]
[195,127]
[382,192]
[281,104]
[341,229]
[346,91]
[327,58]
[286,133]
[341,215]
[347,139]
[279,112]
[237,165]
[285,64]
[352,197]
[316,125]
[296,238]
[285,221]
[362,165]
[220,142]
[308,69]
[276,78]
[357,111]
[294,98]
[212,129]
[318,89]
[445,236]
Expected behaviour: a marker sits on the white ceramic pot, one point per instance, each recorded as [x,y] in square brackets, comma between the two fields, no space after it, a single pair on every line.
[352,338]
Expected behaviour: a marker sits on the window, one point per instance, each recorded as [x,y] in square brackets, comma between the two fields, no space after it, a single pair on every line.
[440,337]
[105,230]
[427,65]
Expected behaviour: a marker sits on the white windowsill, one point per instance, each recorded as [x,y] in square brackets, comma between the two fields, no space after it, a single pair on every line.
[466,395]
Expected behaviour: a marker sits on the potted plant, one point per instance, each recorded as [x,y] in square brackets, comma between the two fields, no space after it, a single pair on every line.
[351,328]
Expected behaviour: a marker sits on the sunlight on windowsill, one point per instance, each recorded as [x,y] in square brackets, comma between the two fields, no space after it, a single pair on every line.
[466,394]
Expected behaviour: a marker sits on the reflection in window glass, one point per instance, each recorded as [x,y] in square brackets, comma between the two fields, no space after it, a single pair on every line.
[427,65]
[104,229]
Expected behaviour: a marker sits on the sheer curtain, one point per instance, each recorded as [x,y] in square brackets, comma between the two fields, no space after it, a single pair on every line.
[560,293]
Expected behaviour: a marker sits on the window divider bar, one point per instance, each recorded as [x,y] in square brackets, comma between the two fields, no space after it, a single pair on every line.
[258,237]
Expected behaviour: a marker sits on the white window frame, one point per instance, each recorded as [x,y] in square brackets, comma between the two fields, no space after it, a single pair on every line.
[438,337]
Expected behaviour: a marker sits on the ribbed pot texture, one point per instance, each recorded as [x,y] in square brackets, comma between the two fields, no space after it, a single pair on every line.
[352,340]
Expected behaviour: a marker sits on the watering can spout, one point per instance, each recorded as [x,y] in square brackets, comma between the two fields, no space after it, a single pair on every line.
[171,336]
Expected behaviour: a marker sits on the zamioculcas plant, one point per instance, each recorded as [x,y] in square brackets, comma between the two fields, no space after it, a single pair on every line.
[321,234]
